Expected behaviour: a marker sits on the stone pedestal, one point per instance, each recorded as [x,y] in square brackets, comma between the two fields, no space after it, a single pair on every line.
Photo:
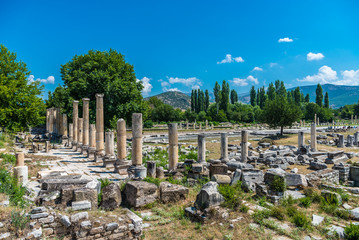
[151,169]
[201,148]
[224,147]
[300,139]
[140,172]
[79,134]
[160,173]
[313,137]
[99,127]
[244,146]
[71,135]
[341,140]
[21,174]
[173,146]
[350,141]
[20,159]
[121,162]
[356,138]
[47,146]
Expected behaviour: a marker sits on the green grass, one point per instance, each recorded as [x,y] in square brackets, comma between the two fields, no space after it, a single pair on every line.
[9,185]
[8,158]
[19,219]
[351,232]
[232,195]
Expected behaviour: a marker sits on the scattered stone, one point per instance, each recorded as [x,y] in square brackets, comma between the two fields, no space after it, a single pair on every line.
[316,220]
[65,220]
[111,197]
[172,192]
[140,193]
[221,179]
[79,216]
[208,196]
[81,205]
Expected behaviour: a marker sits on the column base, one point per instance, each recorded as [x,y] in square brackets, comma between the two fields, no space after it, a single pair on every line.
[99,155]
[91,152]
[109,161]
[138,172]
[74,146]
[21,174]
[224,160]
[84,149]
[121,164]
[79,147]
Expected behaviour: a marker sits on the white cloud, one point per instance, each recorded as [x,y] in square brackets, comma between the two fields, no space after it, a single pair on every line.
[350,77]
[286,39]
[192,81]
[174,90]
[49,79]
[244,81]
[257,69]
[230,59]
[325,75]
[273,64]
[147,86]
[314,56]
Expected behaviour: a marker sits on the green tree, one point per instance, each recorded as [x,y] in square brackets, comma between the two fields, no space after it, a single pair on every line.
[282,91]
[192,101]
[195,96]
[207,101]
[307,98]
[319,95]
[297,95]
[262,97]
[217,93]
[234,96]
[280,113]
[253,96]
[20,104]
[108,73]
[271,92]
[225,96]
[326,100]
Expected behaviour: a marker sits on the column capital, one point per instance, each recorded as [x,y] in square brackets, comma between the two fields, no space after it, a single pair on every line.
[75,101]
[85,99]
[99,95]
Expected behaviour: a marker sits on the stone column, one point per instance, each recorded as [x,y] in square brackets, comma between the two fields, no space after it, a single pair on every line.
[224,147]
[51,121]
[64,126]
[200,126]
[71,133]
[92,142]
[54,120]
[315,118]
[244,146]
[187,125]
[58,120]
[79,132]
[300,139]
[356,138]
[99,125]
[138,170]
[173,146]
[350,141]
[313,137]
[47,120]
[75,116]
[20,171]
[109,158]
[201,148]
[121,139]
[86,123]
[206,124]
[351,117]
[341,140]
[151,169]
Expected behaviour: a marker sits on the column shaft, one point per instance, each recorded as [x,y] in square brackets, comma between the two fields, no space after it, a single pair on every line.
[173,145]
[121,139]
[137,139]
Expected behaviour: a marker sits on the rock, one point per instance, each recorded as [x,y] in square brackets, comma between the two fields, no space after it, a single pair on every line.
[37,233]
[221,179]
[172,192]
[272,173]
[79,216]
[294,170]
[197,168]
[39,215]
[317,165]
[355,213]
[4,235]
[208,196]
[294,194]
[346,206]
[139,193]
[86,225]
[86,194]
[294,179]
[81,205]
[331,195]
[111,226]
[250,177]
[38,210]
[219,169]
[94,185]
[49,219]
[111,197]
[65,220]
[338,230]
[236,176]
[316,220]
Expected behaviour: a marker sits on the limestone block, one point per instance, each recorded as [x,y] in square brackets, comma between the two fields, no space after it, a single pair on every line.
[221,179]
[86,194]
[140,193]
[111,197]
[172,192]
[294,179]
[208,196]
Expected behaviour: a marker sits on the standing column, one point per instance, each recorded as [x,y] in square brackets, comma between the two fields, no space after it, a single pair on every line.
[121,139]
[58,121]
[313,137]
[64,126]
[86,122]
[51,120]
[109,158]
[187,125]
[173,146]
[54,119]
[20,171]
[71,134]
[138,170]
[244,146]
[201,148]
[47,120]
[92,142]
[356,138]
[300,139]
[99,125]
[206,124]
[351,119]
[224,147]
[80,123]
[75,116]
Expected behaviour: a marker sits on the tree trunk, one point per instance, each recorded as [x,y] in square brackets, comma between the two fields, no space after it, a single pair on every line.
[281,130]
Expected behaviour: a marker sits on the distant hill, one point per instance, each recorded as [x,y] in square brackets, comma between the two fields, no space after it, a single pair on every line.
[175,99]
[339,95]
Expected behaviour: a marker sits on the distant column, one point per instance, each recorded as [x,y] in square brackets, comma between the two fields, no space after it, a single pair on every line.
[356,138]
[86,123]
[173,146]
[75,116]
[99,124]
[244,146]
[224,147]
[20,170]
[58,120]
[92,142]
[109,144]
[121,139]
[201,148]
[71,134]
[51,120]
[79,131]
[313,137]
[300,139]
[64,126]
[137,139]
[47,120]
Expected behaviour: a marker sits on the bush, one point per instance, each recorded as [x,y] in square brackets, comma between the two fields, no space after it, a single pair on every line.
[148,124]
[244,209]
[313,194]
[8,158]
[291,211]
[351,232]
[305,202]
[300,220]
[258,216]
[155,181]
[231,194]
[343,214]
[288,201]
[278,212]
[10,186]
[104,182]
[278,184]
[19,219]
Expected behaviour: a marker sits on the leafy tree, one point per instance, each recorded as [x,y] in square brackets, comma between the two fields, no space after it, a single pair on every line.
[307,98]
[326,100]
[253,96]
[297,95]
[108,73]
[206,101]
[217,93]
[165,113]
[258,97]
[155,102]
[271,92]
[280,113]
[234,96]
[190,115]
[20,104]
[319,95]
[192,101]
[195,96]
[310,110]
[262,97]
[282,91]
[225,96]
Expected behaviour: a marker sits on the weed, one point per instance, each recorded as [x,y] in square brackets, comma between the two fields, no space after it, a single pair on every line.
[19,219]
[343,214]
[231,194]
[263,202]
[278,212]
[104,182]
[301,220]
[291,211]
[10,186]
[305,202]
[244,209]
[258,216]
[8,158]
[288,201]
[155,181]
[351,232]
[278,184]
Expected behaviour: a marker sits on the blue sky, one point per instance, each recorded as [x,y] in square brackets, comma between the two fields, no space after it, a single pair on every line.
[190,44]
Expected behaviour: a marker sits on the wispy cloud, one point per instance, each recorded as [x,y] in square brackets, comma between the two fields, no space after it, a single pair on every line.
[286,39]
[273,64]
[191,82]
[49,79]
[257,69]
[230,59]
[244,81]
[147,86]
[314,56]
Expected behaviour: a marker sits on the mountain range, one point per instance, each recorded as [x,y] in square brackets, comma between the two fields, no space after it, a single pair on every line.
[339,95]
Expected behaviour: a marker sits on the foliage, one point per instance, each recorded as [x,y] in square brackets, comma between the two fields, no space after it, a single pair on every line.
[313,194]
[20,104]
[148,124]
[10,186]
[278,184]
[8,158]
[104,182]
[244,209]
[259,215]
[19,219]
[301,220]
[319,95]
[351,232]
[155,181]
[231,194]
[278,212]
[159,156]
[305,202]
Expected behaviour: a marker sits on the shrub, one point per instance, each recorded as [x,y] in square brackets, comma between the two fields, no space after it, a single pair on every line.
[343,214]
[288,201]
[351,232]
[155,181]
[291,211]
[244,209]
[10,186]
[278,212]
[231,194]
[19,219]
[8,158]
[305,202]
[278,184]
[259,215]
[104,182]
[148,124]
[300,220]
[330,199]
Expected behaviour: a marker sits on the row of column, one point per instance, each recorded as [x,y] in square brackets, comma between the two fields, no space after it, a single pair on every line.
[313,138]
[56,123]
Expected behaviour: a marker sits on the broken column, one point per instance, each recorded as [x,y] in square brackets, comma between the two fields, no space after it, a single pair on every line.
[75,116]
[20,171]
[109,159]
[121,162]
[224,147]
[341,140]
[187,125]
[356,138]
[151,169]
[86,124]
[313,137]
[47,120]
[349,141]
[47,146]
[92,141]
[138,170]
[51,120]
[244,146]
[99,127]
[173,146]
[300,139]
[201,158]
[71,134]
[79,133]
